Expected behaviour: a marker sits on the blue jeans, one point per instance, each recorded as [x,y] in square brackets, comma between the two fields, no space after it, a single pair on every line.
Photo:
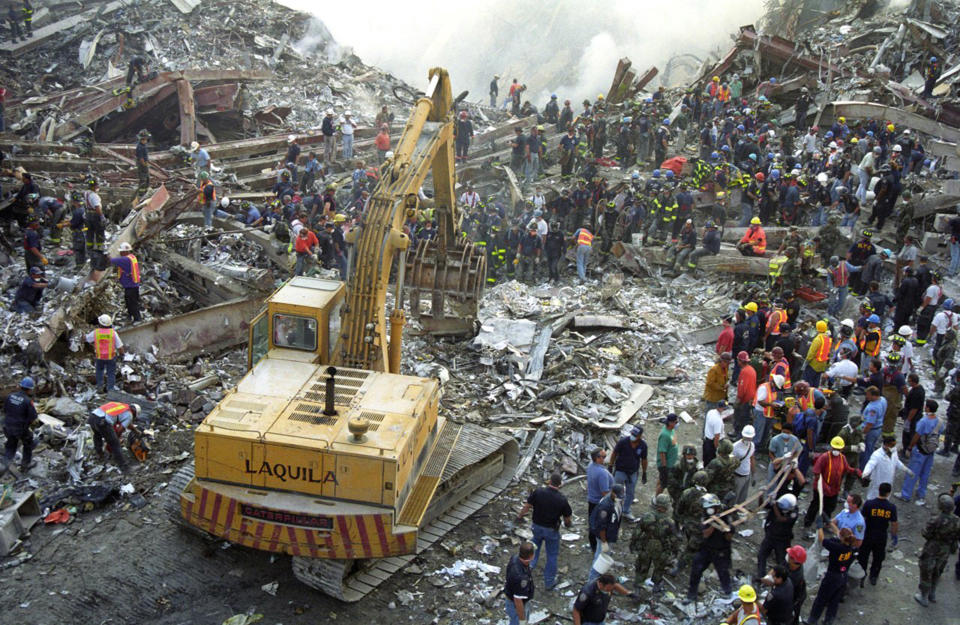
[810,376]
[746,214]
[870,443]
[954,258]
[850,220]
[347,142]
[819,217]
[838,300]
[512,615]
[531,168]
[208,208]
[761,427]
[583,257]
[551,537]
[110,367]
[23,306]
[921,465]
[629,481]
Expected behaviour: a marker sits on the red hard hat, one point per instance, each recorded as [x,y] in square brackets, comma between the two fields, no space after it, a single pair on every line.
[759,176]
[463,114]
[798,554]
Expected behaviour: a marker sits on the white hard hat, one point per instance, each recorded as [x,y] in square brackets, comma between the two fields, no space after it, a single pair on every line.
[787,502]
[848,323]
[907,131]
[225,202]
[291,138]
[329,112]
[388,154]
[748,431]
[772,133]
[104,320]
[778,380]
[347,113]
[125,247]
[135,408]
[897,148]
[194,146]
[905,331]
[822,177]
[833,145]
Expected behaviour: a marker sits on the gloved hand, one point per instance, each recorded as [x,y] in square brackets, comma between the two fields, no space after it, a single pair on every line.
[860,447]
[819,522]
[643,478]
[604,547]
[865,481]
[895,539]
[43,259]
[516,261]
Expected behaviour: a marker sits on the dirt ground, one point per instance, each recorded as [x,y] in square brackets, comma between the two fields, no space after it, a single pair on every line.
[127,566]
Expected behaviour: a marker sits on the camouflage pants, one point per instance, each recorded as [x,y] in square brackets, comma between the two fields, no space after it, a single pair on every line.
[930,569]
[656,563]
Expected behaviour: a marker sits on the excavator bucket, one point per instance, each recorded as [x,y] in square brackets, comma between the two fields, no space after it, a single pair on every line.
[451,281]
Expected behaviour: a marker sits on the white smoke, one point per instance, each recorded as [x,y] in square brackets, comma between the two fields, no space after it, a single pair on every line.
[570,47]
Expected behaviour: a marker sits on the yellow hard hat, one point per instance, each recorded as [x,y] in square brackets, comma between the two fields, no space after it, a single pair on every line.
[599,96]
[339,218]
[755,221]
[891,127]
[854,140]
[842,120]
[837,443]
[751,306]
[821,326]
[747,593]
[716,79]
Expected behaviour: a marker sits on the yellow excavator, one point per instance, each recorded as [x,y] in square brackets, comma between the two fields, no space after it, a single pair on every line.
[324,451]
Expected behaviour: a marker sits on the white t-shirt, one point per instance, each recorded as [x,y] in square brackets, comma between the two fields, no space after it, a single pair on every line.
[761,395]
[713,424]
[347,126]
[944,320]
[933,292]
[908,253]
[868,162]
[906,356]
[744,451]
[539,201]
[470,199]
[91,200]
[846,368]
[542,227]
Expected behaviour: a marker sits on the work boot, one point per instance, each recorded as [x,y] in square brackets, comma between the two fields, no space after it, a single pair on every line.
[658,588]
[921,599]
[943,452]
[25,467]
[932,596]
[873,581]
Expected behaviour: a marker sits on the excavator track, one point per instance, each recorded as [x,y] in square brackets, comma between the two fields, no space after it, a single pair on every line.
[479,467]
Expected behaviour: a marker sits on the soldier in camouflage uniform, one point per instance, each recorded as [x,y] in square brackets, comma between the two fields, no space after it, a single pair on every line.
[655,542]
[943,364]
[830,237]
[793,239]
[790,271]
[853,445]
[721,472]
[681,474]
[942,533]
[689,516]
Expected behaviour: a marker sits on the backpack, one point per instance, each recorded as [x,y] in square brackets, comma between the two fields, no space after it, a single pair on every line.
[928,443]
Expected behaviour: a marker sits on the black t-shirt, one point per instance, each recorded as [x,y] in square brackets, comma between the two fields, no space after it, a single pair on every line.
[293,152]
[841,556]
[799,583]
[879,514]
[521,142]
[779,529]
[628,458]
[779,605]
[717,541]
[530,245]
[549,505]
[592,603]
[915,398]
[519,583]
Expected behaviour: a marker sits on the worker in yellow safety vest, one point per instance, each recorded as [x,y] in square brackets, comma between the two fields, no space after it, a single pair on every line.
[106,345]
[128,272]
[818,355]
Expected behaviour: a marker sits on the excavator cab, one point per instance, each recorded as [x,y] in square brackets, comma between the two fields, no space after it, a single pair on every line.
[303,315]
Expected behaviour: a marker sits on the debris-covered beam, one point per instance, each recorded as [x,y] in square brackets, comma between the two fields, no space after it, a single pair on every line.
[772,47]
[273,249]
[207,330]
[866,110]
[216,97]
[188,116]
[42,34]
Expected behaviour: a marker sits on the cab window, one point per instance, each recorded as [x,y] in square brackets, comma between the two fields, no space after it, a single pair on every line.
[295,332]
[259,340]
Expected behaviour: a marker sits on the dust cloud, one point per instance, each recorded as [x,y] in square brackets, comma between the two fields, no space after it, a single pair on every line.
[569,47]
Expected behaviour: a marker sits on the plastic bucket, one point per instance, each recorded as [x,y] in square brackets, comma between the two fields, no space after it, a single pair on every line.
[603,563]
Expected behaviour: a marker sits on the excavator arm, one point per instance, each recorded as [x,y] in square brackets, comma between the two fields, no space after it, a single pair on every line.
[448,266]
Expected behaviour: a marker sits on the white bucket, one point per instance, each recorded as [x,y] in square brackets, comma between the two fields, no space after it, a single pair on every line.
[603,563]
[637,239]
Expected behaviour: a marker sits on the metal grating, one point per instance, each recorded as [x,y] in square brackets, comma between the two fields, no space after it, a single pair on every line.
[374,418]
[308,412]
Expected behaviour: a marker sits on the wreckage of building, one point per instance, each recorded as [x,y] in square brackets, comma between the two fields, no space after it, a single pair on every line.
[559,367]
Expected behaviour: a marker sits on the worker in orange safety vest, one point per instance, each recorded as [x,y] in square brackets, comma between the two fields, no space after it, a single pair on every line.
[108,423]
[106,345]
[754,241]
[584,240]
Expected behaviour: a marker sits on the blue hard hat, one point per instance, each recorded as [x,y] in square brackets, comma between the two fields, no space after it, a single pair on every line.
[656,173]
[635,175]
[933,59]
[27,383]
[553,96]
[725,148]
[669,174]
[773,80]
[948,304]
[869,133]
[666,121]
[752,156]
[873,319]
[649,99]
[829,135]
[714,156]
[769,156]
[775,174]
[741,127]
